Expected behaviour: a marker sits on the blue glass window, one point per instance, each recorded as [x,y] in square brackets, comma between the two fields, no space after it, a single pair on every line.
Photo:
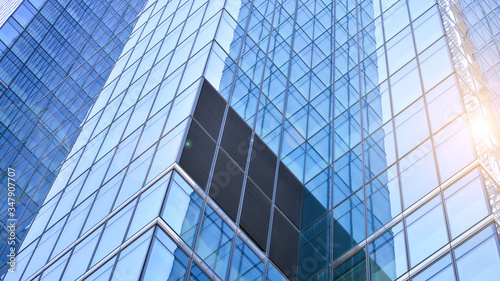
[182,208]
[426,230]
[246,264]
[388,255]
[165,261]
[466,203]
[418,174]
[131,259]
[454,148]
[479,257]
[214,243]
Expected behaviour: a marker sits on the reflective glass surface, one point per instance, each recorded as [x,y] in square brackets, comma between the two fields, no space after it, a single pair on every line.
[277,140]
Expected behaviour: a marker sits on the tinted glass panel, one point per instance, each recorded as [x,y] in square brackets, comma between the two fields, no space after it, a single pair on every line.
[479,258]
[426,231]
[262,166]
[236,138]
[289,194]
[210,109]
[255,214]
[226,184]
[284,249]
[197,154]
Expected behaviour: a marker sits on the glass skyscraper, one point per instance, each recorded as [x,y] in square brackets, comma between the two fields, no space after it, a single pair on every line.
[254,140]
[55,57]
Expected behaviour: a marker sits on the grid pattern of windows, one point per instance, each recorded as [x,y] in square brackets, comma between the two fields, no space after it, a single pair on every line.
[374,106]
[380,147]
[135,128]
[54,59]
[263,199]
[177,209]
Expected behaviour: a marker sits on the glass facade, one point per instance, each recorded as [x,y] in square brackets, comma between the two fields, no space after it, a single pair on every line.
[54,58]
[276,140]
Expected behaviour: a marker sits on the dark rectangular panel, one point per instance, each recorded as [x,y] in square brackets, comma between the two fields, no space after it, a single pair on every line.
[284,250]
[255,214]
[226,184]
[236,137]
[262,166]
[197,154]
[289,194]
[210,109]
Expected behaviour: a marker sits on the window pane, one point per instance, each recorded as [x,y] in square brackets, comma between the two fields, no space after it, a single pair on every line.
[426,230]
[383,199]
[455,149]
[388,255]
[411,127]
[149,205]
[273,274]
[246,265]
[444,103]
[314,254]
[131,260]
[418,174]
[104,272]
[380,151]
[354,269]
[417,7]
[81,256]
[405,87]
[482,262]
[163,264]
[182,211]
[349,224]
[436,64]
[54,271]
[400,50]
[113,234]
[465,203]
[427,29]
[214,243]
[395,19]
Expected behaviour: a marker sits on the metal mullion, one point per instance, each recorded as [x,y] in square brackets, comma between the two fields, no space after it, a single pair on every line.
[362,136]
[392,121]
[205,194]
[334,22]
[250,150]
[214,159]
[280,145]
[434,147]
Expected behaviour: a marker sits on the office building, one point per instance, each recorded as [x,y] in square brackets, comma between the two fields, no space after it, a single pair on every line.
[284,140]
[55,57]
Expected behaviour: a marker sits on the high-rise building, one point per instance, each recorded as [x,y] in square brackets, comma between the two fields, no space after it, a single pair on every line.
[282,140]
[54,58]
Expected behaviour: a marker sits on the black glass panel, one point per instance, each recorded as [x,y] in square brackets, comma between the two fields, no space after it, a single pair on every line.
[197,155]
[210,109]
[226,184]
[284,250]
[262,166]
[236,138]
[255,214]
[289,194]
